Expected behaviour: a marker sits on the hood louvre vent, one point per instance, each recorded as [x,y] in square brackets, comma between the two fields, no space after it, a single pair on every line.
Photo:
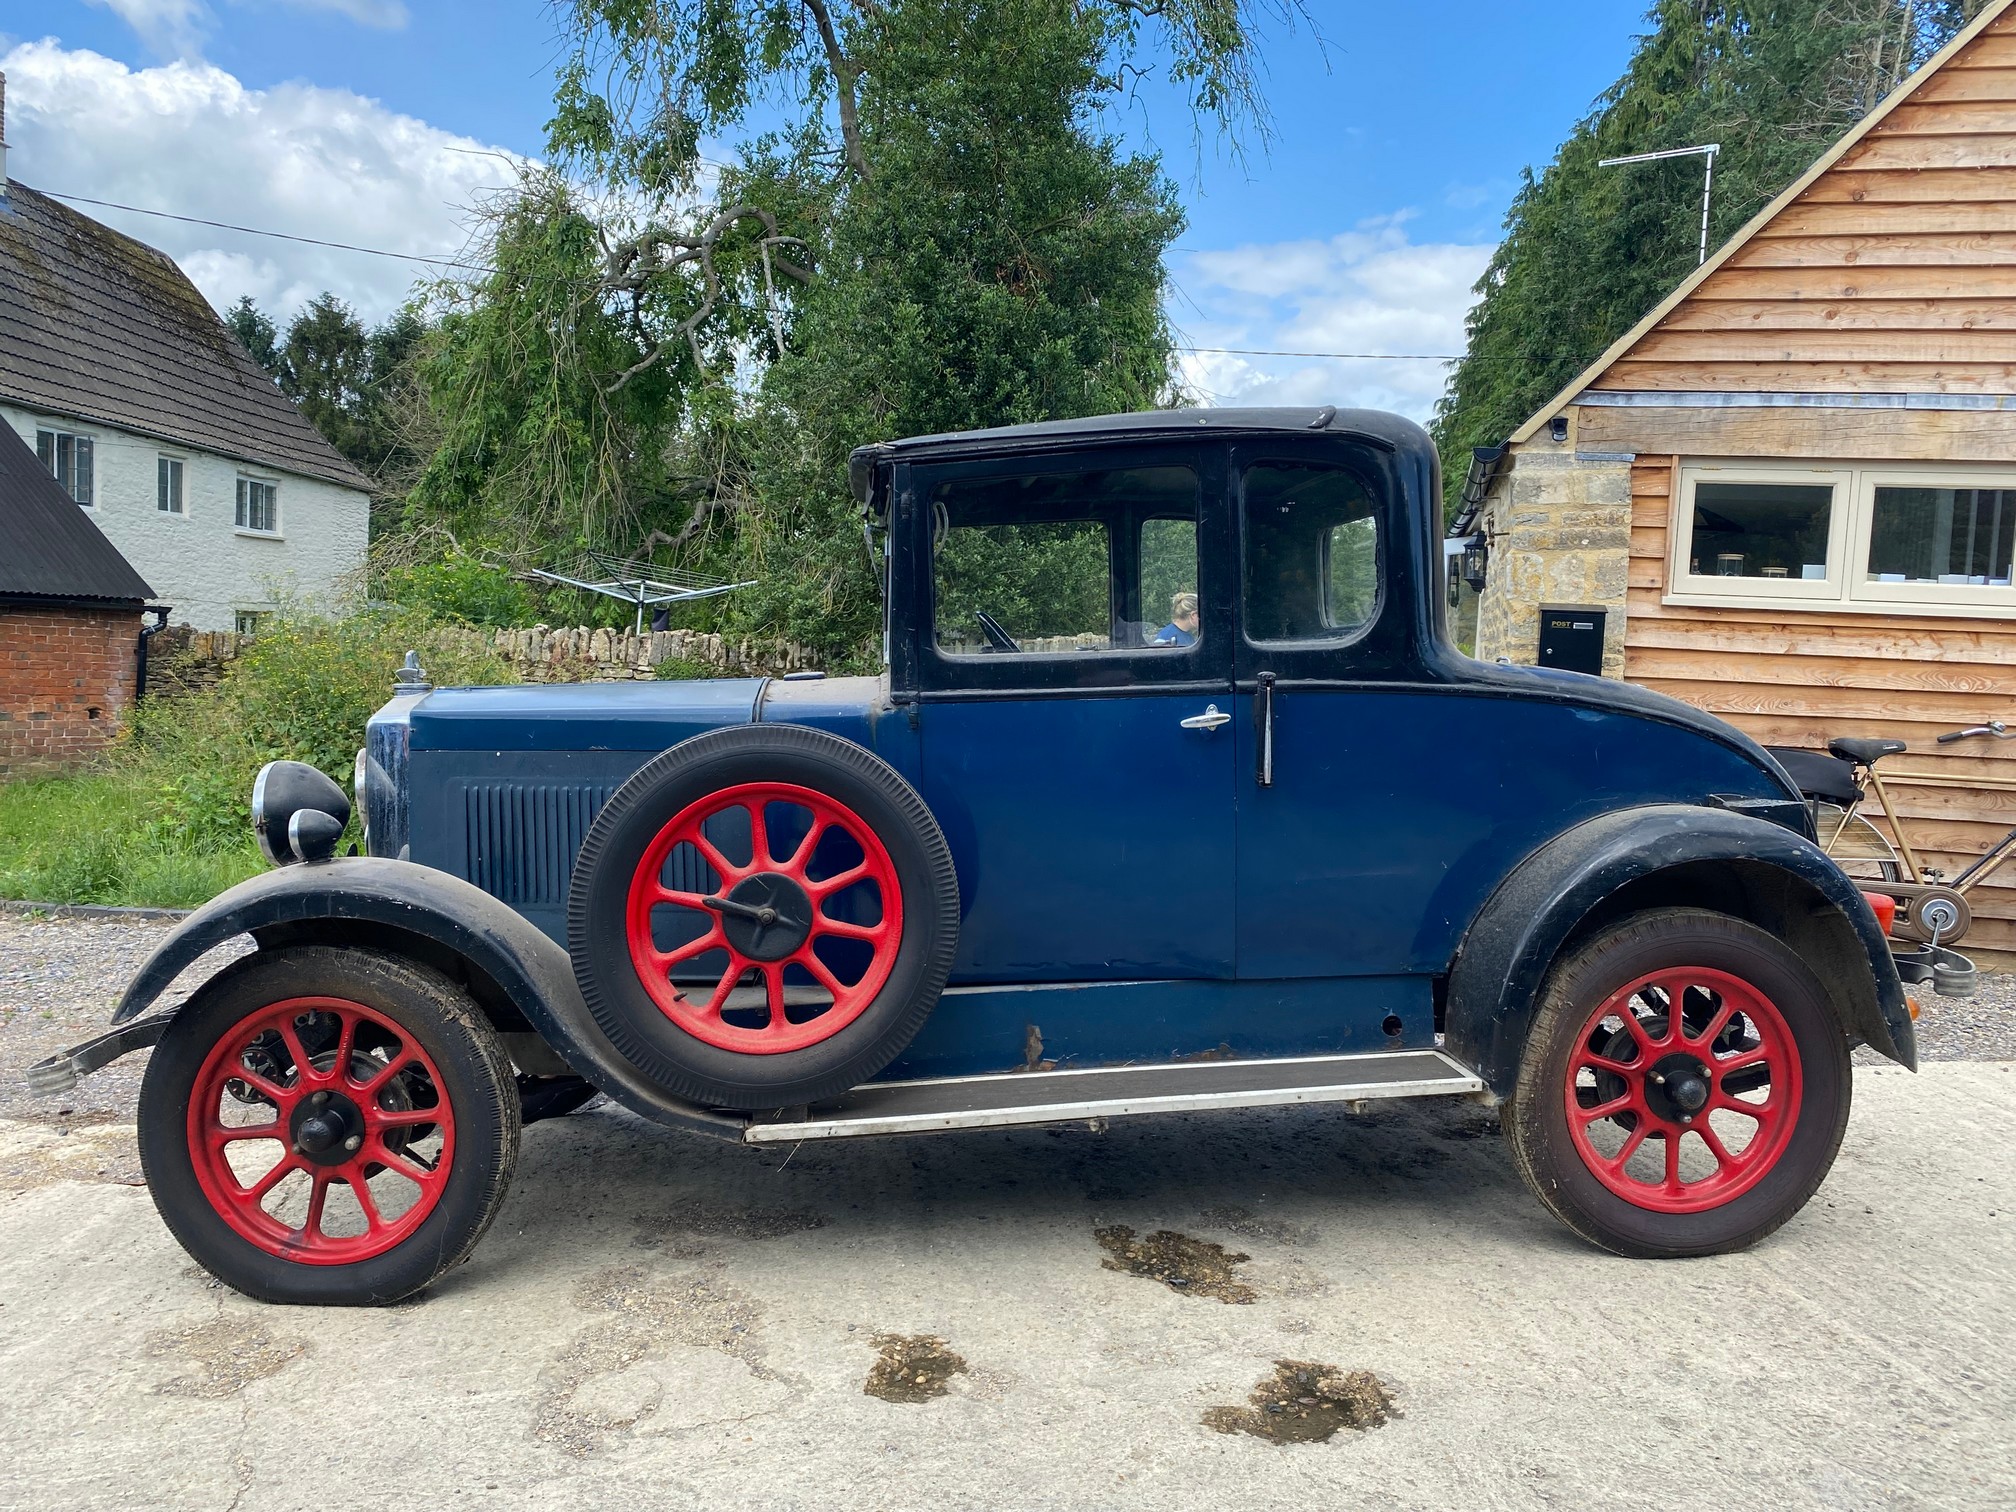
[523,837]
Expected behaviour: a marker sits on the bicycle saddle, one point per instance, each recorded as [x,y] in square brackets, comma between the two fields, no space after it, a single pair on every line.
[1868,752]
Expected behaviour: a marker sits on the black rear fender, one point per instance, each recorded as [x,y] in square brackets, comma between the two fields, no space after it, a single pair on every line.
[1667,855]
[520,978]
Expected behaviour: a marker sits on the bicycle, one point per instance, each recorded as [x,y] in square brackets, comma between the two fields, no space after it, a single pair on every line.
[1931,907]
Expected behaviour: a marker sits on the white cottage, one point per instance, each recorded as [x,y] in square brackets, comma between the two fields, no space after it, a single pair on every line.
[117,373]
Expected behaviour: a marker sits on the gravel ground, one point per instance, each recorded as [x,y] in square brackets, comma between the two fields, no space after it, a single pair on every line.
[59,979]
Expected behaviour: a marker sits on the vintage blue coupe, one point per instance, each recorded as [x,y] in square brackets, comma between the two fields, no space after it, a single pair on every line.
[1173,795]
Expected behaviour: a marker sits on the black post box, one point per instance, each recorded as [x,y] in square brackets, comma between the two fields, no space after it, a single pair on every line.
[1572,639]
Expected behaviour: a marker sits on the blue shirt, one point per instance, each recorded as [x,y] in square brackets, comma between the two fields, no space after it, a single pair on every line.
[1173,634]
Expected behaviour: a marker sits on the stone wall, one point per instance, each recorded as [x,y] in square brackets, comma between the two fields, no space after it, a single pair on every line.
[66,677]
[1559,526]
[190,659]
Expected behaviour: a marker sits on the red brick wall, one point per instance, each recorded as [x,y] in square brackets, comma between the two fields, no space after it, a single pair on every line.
[66,676]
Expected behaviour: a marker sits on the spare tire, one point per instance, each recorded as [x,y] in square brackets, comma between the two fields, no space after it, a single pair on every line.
[762,916]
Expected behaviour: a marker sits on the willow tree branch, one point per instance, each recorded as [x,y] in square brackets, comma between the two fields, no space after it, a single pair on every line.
[845,72]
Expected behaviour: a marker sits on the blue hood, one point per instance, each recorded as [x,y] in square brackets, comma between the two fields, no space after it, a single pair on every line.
[612,716]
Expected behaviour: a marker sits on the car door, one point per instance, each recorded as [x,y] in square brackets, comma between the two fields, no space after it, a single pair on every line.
[1338,854]
[1081,771]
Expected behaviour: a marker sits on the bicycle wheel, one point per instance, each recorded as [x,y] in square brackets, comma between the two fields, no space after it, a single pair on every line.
[1859,848]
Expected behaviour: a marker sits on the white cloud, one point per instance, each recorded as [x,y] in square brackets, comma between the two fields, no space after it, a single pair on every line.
[189,138]
[177,28]
[1368,290]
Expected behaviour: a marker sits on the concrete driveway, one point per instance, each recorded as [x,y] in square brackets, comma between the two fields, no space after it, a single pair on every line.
[661,1322]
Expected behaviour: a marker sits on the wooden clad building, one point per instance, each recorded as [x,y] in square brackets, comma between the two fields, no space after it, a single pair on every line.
[1790,492]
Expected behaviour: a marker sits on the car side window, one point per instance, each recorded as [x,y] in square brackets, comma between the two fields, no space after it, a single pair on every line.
[1070,563]
[1311,553]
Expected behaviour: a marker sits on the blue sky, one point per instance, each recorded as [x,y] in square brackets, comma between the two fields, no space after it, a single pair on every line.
[1398,144]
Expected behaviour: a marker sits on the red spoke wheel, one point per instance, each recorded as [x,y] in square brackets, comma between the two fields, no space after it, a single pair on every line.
[1684,1088]
[762,916]
[324,1125]
[758,927]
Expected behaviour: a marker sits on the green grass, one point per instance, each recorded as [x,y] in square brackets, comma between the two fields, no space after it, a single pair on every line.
[98,838]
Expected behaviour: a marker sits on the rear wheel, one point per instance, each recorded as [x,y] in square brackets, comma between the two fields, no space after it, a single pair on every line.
[328,1126]
[1684,1088]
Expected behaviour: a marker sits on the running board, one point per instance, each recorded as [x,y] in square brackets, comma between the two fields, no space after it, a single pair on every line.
[1037,1097]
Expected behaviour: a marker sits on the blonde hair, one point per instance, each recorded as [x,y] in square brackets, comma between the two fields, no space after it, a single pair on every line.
[1182,604]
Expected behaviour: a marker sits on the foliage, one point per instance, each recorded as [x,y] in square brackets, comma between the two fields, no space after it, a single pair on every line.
[255,331]
[301,690]
[92,839]
[461,589]
[1588,250]
[938,235]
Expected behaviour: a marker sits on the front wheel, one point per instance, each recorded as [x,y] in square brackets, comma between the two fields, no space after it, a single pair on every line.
[321,1125]
[1684,1088]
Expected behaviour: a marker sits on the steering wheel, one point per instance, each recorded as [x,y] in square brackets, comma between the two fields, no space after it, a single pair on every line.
[997,638]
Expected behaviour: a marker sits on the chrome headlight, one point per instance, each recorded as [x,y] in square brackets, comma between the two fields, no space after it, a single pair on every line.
[360,786]
[297,813]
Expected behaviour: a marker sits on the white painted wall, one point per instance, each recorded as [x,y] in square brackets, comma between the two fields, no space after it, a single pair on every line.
[199,561]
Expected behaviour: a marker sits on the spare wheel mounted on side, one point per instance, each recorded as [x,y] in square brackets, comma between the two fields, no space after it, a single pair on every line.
[762,916]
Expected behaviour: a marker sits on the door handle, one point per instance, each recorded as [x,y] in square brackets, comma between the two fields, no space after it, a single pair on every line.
[1210,719]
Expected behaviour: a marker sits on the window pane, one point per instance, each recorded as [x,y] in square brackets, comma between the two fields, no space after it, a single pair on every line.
[45,448]
[1034,557]
[1761,530]
[240,516]
[1312,554]
[1962,536]
[1169,582]
[82,492]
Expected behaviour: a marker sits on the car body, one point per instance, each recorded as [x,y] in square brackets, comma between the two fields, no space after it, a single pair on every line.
[1313,836]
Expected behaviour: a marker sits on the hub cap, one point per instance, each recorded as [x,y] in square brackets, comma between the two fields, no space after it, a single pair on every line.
[320,1131]
[764,918]
[1683,1090]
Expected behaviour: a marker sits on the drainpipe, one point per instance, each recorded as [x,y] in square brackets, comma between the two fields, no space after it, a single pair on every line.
[147,633]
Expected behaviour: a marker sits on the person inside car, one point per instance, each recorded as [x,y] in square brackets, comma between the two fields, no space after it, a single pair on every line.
[1182,627]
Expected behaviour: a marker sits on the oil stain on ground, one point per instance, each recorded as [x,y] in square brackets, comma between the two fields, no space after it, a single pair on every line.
[1306,1403]
[911,1368]
[1193,1267]
[228,1354]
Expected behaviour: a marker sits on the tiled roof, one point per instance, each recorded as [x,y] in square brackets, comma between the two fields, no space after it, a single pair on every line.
[53,548]
[96,325]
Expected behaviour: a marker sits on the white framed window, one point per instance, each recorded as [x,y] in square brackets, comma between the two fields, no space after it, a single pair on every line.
[1928,538]
[72,459]
[247,621]
[258,506]
[168,485]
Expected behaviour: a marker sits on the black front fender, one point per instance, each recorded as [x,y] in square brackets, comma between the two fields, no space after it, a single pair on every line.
[402,908]
[1658,856]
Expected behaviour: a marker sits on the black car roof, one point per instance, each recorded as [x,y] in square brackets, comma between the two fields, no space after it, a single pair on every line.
[1373,425]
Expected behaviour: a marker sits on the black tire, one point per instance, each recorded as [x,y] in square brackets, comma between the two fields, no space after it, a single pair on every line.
[1537,1117]
[433,1019]
[676,1060]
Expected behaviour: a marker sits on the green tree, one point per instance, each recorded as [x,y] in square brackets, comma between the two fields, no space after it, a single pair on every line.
[940,234]
[1588,250]
[255,331]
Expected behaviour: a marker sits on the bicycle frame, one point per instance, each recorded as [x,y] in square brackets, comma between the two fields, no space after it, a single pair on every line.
[1980,870]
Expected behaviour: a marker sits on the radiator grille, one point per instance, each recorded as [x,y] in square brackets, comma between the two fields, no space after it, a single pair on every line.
[523,837]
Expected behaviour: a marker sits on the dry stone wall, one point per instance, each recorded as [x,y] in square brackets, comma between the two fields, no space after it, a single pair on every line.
[1560,534]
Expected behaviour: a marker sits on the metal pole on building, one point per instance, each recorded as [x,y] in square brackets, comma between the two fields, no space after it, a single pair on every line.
[1706,150]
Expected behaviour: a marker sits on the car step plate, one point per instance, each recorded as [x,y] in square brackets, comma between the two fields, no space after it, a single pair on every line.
[1035,1097]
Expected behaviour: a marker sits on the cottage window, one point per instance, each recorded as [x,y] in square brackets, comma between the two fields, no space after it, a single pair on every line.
[70,457]
[168,485]
[247,621]
[258,506]
[1882,537]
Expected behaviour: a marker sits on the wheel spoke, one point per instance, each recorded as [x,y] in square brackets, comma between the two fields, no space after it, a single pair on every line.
[278,1095]
[270,1179]
[873,933]
[392,1161]
[736,966]
[711,854]
[400,1060]
[1723,1159]
[1717,1024]
[682,899]
[833,884]
[361,1190]
[1676,1012]
[346,1036]
[1758,1057]
[1672,1137]
[666,959]
[1610,1109]
[293,1042]
[1623,1157]
[822,973]
[802,857]
[228,1134]
[759,836]
[411,1119]
[773,982]
[311,1226]
[1597,1062]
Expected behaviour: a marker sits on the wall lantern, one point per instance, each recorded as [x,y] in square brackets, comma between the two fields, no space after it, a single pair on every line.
[1475,555]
